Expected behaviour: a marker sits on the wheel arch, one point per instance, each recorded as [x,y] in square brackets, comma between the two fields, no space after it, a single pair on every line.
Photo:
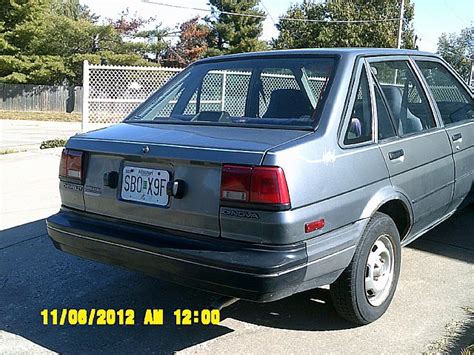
[394,204]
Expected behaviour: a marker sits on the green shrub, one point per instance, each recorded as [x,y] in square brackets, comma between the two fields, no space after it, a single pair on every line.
[53,143]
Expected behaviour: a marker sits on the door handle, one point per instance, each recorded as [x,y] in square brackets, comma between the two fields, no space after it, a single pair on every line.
[396,154]
[456,137]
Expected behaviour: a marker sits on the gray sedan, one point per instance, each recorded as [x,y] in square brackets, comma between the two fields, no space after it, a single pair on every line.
[260,175]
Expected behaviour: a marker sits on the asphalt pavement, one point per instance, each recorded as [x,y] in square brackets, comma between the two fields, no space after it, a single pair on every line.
[18,134]
[28,134]
[430,309]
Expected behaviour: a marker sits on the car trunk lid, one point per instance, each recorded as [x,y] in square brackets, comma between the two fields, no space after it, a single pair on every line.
[191,155]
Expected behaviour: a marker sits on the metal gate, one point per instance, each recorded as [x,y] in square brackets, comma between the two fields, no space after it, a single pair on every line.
[111,92]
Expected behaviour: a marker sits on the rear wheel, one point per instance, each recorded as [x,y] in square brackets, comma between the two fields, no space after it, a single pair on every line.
[363,292]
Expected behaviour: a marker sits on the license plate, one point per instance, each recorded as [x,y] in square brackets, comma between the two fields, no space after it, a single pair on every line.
[145,185]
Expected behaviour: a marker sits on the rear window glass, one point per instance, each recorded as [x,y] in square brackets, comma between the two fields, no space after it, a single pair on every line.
[265,91]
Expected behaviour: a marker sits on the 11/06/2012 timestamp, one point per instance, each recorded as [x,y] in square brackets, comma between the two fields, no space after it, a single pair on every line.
[150,317]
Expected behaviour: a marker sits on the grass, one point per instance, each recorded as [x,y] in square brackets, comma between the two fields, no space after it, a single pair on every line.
[53,143]
[41,116]
[468,351]
[11,151]
[458,337]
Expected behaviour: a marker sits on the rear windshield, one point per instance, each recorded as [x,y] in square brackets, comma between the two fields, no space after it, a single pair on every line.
[259,92]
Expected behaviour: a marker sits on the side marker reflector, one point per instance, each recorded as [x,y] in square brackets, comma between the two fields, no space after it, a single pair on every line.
[315,225]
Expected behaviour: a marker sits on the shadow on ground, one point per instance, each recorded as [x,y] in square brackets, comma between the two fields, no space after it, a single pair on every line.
[453,238]
[35,276]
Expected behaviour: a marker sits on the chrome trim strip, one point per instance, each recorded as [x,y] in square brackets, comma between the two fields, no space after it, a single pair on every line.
[463,124]
[373,105]
[431,131]
[432,192]
[200,264]
[463,176]
[165,145]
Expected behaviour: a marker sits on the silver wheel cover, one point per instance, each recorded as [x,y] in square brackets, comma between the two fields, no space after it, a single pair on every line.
[379,271]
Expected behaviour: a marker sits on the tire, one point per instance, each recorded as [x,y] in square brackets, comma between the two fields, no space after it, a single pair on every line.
[365,289]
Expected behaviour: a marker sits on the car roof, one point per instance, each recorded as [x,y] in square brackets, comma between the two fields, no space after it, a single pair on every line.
[346,53]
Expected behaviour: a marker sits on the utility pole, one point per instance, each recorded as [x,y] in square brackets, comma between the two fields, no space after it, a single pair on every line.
[400,24]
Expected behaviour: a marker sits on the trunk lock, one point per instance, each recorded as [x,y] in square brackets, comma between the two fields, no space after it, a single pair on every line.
[176,188]
[111,179]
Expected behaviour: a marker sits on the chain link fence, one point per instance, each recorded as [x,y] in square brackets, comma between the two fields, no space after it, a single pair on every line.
[112,92]
[223,90]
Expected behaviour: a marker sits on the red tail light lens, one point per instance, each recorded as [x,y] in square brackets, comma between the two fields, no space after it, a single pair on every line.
[235,183]
[63,163]
[269,186]
[71,164]
[260,185]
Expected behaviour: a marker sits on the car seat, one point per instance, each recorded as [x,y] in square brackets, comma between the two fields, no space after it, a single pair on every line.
[288,103]
[408,122]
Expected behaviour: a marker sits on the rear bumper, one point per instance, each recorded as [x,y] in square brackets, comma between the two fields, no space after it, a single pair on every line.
[254,272]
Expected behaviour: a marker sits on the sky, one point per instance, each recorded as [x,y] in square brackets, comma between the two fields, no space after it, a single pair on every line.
[432,17]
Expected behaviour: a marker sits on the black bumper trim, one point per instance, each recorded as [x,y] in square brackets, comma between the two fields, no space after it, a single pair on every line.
[182,260]
[243,270]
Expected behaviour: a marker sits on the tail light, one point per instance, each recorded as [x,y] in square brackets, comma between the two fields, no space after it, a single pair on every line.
[70,166]
[261,185]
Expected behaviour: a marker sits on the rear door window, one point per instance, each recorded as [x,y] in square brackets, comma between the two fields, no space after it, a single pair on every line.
[360,123]
[404,96]
[454,103]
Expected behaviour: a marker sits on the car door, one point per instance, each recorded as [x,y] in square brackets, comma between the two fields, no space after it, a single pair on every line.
[419,159]
[455,106]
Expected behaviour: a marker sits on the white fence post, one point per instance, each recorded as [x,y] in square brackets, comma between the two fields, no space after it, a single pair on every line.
[224,82]
[85,97]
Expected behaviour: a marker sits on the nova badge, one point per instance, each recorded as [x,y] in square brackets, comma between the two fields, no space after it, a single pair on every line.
[240,213]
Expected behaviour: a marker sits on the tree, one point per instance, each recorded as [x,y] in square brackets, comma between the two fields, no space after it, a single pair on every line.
[73,9]
[192,44]
[34,69]
[45,41]
[127,24]
[232,33]
[456,50]
[298,33]
[153,44]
